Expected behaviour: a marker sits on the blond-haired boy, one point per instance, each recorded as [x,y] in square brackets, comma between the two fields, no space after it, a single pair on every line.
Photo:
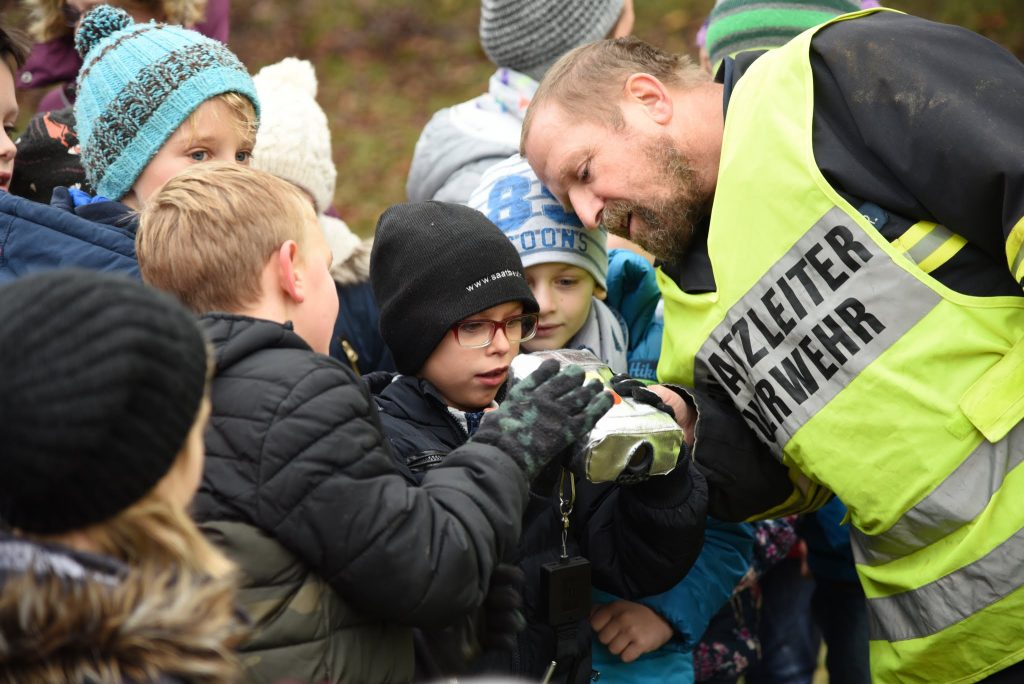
[342,552]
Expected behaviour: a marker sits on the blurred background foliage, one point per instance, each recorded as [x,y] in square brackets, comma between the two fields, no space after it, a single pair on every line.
[385,66]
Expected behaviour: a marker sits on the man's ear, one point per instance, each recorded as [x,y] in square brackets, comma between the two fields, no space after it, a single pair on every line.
[289,275]
[652,95]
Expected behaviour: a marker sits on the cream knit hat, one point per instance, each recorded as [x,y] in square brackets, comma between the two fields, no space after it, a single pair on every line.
[294,142]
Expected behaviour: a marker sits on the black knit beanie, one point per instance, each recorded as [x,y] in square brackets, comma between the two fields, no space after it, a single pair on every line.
[101,379]
[434,264]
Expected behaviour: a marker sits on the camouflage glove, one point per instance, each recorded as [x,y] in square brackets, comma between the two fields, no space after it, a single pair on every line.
[543,414]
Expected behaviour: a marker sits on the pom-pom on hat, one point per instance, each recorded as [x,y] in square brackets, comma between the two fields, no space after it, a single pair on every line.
[434,264]
[137,85]
[101,380]
[512,197]
[294,141]
[738,25]
[530,35]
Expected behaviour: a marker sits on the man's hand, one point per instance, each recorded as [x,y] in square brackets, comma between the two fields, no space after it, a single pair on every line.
[685,416]
[629,629]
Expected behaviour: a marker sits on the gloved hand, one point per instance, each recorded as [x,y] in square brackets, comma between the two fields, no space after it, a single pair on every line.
[445,652]
[627,386]
[377,381]
[501,617]
[543,414]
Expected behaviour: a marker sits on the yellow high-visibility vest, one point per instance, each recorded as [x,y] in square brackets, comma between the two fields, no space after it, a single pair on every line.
[867,378]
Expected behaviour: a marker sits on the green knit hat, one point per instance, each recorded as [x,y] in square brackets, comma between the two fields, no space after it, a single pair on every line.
[738,25]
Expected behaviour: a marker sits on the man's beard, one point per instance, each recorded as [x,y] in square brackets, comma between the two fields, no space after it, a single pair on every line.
[668,224]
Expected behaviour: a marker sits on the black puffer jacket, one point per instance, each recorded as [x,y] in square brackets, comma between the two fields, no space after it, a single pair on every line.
[640,540]
[294,448]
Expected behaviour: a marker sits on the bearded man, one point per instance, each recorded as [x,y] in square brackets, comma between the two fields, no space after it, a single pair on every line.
[839,226]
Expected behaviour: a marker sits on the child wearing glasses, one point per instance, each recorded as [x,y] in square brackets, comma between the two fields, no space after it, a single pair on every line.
[567,267]
[455,308]
[341,553]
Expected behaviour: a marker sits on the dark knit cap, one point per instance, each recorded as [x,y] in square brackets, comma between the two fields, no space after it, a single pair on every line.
[48,157]
[434,264]
[101,379]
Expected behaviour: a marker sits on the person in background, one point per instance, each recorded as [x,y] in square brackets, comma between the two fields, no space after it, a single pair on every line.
[52,26]
[736,26]
[565,265]
[591,298]
[294,143]
[103,574]
[522,38]
[12,55]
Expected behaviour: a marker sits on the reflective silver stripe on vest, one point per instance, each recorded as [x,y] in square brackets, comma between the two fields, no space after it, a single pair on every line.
[1018,260]
[821,314]
[958,500]
[932,240]
[946,601]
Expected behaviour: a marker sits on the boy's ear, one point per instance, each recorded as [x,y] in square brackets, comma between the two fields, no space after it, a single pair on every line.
[652,95]
[600,292]
[289,275]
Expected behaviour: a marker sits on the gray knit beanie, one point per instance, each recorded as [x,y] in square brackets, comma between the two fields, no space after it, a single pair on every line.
[530,35]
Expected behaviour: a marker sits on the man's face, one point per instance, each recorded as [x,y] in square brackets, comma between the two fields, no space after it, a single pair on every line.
[636,182]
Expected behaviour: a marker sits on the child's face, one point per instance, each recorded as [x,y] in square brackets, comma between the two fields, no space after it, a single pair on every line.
[564,294]
[469,379]
[315,316]
[9,113]
[211,135]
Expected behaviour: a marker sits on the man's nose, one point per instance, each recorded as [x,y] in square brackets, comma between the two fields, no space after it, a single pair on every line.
[587,206]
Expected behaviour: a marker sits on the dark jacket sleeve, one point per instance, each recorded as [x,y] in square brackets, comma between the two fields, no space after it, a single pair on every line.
[642,539]
[745,479]
[414,555]
[924,119]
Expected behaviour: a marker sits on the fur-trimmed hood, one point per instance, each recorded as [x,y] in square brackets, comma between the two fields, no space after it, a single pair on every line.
[74,617]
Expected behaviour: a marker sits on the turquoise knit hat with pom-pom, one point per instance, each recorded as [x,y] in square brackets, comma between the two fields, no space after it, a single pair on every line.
[138,83]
